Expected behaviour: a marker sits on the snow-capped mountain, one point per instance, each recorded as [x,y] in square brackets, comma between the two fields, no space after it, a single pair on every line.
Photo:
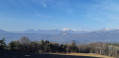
[56,31]
[64,35]
[69,29]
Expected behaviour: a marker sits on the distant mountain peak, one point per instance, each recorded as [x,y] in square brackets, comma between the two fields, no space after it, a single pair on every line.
[69,29]
[2,31]
[106,29]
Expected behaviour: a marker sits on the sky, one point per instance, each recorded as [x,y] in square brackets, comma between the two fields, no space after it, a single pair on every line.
[19,15]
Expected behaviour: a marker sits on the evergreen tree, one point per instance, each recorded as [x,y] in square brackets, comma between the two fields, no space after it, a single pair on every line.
[2,44]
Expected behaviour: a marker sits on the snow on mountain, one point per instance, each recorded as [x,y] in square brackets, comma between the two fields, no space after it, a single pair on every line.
[69,29]
[106,29]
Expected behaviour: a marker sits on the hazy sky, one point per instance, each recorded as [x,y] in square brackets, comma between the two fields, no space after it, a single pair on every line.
[18,15]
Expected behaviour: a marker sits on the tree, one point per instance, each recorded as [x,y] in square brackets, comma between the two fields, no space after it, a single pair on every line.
[42,42]
[2,43]
[14,45]
[68,48]
[73,46]
[34,46]
[62,48]
[24,40]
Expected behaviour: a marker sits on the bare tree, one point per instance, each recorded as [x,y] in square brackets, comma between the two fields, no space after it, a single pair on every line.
[24,40]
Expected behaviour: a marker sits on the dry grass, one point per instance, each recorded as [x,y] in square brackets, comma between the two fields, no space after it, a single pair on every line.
[83,54]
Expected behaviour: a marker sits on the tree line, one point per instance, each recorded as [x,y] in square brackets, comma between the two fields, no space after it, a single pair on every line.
[26,45]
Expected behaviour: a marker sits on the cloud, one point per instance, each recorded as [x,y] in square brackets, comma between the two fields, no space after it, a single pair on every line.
[59,5]
[44,4]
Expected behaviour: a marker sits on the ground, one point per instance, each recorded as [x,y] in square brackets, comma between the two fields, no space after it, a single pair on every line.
[12,54]
[84,54]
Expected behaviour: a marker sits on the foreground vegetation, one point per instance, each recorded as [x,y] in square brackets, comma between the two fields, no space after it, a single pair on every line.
[24,45]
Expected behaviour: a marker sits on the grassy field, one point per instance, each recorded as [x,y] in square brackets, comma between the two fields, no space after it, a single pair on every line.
[83,54]
[52,56]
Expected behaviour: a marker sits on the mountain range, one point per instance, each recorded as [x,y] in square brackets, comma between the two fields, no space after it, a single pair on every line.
[64,35]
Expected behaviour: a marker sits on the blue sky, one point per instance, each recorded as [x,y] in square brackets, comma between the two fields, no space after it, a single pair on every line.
[19,15]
